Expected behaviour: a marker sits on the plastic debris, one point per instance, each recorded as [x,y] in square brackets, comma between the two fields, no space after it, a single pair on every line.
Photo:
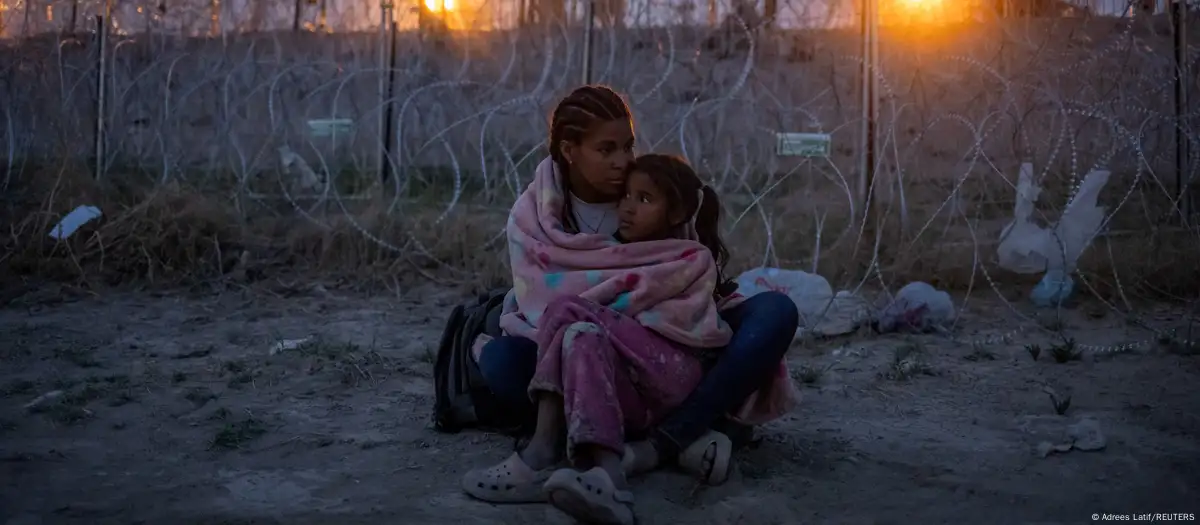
[918,307]
[822,312]
[294,165]
[287,345]
[73,221]
[42,399]
[1054,289]
[1022,241]
[810,292]
[1084,436]
[1028,248]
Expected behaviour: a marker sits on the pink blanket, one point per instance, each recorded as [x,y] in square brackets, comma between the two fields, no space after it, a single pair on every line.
[665,285]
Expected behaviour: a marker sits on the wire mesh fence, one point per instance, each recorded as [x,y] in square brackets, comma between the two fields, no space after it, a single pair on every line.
[435,123]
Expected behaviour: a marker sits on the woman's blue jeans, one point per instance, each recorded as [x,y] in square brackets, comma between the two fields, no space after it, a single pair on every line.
[763,328]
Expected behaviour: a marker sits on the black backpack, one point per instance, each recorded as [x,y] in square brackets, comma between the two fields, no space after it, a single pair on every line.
[463,400]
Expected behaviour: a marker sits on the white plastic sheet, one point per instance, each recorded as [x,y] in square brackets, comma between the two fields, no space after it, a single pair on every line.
[1028,248]
[73,221]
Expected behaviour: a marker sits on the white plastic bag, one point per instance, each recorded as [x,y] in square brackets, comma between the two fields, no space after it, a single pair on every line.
[1028,248]
[1053,290]
[811,293]
[1022,242]
[822,312]
[917,307]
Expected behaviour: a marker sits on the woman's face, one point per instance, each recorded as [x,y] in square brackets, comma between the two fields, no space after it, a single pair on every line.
[600,160]
[644,211]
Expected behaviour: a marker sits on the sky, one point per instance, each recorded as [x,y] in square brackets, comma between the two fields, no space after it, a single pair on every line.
[192,16]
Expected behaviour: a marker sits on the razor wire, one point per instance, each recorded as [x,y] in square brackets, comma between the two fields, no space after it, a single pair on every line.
[243,94]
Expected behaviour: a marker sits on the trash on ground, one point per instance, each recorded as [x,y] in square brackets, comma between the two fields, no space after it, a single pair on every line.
[845,314]
[39,400]
[822,312]
[73,221]
[1028,248]
[294,165]
[288,345]
[1054,289]
[1021,241]
[1084,435]
[917,308]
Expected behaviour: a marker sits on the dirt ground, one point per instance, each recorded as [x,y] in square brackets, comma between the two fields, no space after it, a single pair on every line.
[173,410]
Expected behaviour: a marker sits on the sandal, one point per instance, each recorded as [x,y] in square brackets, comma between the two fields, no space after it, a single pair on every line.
[713,448]
[512,481]
[590,497]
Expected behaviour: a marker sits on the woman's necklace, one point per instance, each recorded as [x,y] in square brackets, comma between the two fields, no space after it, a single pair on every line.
[594,227]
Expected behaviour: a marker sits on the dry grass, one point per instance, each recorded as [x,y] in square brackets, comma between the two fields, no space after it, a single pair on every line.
[182,235]
[186,235]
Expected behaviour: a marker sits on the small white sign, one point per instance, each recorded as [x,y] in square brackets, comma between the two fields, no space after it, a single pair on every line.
[329,127]
[803,144]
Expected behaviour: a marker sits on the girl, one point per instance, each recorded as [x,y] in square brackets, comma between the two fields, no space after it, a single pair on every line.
[663,193]
[591,149]
[602,375]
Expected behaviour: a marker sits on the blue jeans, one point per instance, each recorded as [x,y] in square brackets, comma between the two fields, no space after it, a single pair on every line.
[763,328]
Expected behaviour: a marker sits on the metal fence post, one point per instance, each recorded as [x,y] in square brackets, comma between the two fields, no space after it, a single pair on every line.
[589,22]
[296,14]
[1183,193]
[870,51]
[385,17]
[102,70]
[389,110]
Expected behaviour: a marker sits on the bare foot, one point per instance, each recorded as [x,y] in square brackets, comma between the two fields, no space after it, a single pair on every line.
[541,454]
[539,458]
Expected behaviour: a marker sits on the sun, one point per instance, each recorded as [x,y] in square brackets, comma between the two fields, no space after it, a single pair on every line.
[920,5]
[919,12]
[438,6]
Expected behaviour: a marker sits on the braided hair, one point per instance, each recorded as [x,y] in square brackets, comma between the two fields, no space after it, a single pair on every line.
[574,115]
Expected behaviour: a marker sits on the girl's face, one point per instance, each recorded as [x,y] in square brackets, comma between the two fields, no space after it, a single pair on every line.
[600,161]
[645,211]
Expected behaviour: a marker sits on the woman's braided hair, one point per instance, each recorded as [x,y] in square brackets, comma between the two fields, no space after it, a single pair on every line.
[574,115]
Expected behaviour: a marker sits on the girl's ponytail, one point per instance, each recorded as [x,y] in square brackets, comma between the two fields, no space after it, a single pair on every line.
[708,230]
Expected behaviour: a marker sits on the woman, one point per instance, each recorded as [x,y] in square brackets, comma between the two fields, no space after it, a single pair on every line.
[591,142]
[624,324]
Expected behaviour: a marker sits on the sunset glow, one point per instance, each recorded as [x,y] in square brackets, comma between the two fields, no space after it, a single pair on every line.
[438,6]
[921,4]
[922,12]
